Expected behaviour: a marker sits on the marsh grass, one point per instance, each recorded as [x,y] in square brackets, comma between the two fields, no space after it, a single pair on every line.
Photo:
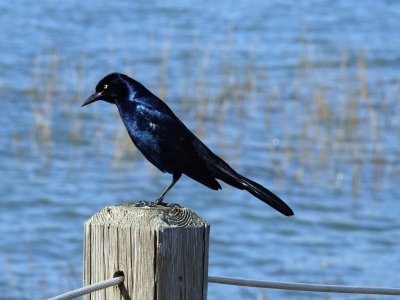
[42,92]
[331,125]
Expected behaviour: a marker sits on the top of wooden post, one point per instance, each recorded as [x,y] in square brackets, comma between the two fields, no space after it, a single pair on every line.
[162,252]
[128,215]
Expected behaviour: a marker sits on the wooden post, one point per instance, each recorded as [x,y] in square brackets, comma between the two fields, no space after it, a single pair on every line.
[162,251]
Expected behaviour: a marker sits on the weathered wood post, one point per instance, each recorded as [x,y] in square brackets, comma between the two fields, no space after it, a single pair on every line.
[162,251]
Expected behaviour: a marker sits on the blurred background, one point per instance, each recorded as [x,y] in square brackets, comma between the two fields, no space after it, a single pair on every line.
[303,97]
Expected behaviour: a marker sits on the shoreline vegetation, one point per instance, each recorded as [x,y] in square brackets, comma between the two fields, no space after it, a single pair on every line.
[330,117]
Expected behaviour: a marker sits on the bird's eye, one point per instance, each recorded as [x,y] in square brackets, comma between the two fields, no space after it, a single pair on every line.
[105,86]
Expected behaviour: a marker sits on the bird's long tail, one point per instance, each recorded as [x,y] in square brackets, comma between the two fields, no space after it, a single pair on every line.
[266,196]
[256,190]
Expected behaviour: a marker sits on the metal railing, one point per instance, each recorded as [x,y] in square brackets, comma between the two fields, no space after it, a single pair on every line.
[307,287]
[90,288]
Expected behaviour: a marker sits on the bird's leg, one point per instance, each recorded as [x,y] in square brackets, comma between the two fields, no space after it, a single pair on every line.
[175,178]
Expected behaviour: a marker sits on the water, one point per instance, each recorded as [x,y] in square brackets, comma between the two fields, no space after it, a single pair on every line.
[302,98]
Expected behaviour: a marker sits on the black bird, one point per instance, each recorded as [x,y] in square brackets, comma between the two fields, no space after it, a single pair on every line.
[168,144]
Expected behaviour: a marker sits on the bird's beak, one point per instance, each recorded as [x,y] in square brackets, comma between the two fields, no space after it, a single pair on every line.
[94,97]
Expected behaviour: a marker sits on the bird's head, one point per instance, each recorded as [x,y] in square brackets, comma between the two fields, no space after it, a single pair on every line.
[112,87]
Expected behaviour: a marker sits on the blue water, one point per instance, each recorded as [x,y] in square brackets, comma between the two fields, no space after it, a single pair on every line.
[303,98]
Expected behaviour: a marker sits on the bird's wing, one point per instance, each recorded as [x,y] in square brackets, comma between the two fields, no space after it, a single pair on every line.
[181,149]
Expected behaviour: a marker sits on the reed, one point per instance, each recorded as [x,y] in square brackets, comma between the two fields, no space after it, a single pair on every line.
[323,117]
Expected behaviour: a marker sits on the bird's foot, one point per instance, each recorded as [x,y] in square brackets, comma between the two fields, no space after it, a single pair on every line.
[155,203]
[144,204]
[159,201]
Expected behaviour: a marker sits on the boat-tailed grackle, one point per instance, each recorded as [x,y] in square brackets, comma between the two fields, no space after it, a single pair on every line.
[168,144]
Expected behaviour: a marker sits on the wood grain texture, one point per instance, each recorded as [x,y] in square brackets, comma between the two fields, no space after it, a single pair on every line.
[162,251]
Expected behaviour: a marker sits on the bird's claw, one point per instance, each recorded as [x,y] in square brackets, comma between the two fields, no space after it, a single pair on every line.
[144,204]
[155,203]
[172,205]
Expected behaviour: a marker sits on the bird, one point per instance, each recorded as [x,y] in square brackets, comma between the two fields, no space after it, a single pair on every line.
[168,144]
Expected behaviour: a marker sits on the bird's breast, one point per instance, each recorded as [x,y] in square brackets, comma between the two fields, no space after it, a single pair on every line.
[142,131]
[148,129]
